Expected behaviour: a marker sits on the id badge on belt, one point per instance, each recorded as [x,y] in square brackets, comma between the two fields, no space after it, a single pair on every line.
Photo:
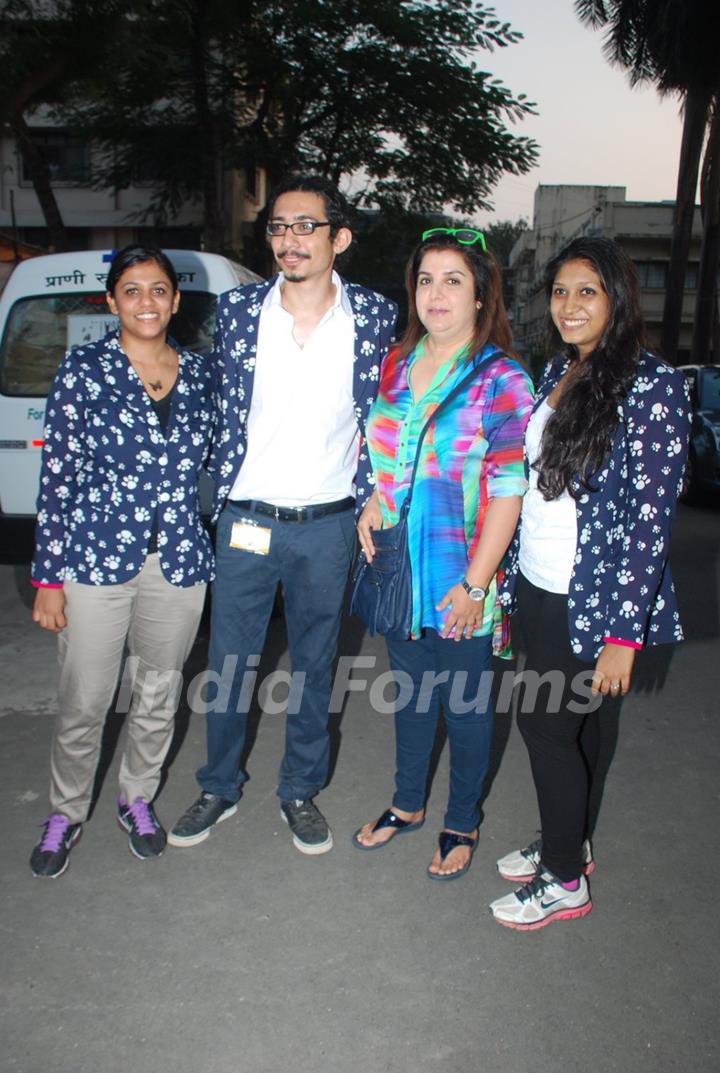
[248,537]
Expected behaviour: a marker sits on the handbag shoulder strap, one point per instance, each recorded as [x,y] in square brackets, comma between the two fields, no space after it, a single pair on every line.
[457,390]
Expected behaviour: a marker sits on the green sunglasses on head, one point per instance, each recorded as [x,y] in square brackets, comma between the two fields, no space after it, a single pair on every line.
[466,236]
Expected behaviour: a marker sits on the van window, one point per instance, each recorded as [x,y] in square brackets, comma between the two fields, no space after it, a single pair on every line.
[709,387]
[40,329]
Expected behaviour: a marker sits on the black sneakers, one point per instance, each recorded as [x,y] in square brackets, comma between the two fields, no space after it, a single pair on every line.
[51,856]
[147,836]
[309,827]
[194,825]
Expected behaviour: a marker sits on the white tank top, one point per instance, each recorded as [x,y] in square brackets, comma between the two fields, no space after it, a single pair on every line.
[548,534]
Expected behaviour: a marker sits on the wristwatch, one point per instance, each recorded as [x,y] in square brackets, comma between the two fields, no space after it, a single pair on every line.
[475,592]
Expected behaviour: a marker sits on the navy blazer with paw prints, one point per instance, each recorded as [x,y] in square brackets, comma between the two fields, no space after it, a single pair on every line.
[107,467]
[234,355]
[621,586]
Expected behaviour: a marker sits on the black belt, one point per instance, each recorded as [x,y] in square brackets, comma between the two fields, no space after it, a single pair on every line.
[294,514]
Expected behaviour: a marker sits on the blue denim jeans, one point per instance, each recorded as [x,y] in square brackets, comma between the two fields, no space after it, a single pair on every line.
[311,561]
[465,699]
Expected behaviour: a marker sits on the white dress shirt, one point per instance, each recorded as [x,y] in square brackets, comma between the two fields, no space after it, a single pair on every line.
[303,435]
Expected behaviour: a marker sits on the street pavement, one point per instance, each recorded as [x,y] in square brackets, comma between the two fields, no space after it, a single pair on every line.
[240,955]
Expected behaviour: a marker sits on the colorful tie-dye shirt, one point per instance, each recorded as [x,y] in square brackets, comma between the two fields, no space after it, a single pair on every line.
[470,455]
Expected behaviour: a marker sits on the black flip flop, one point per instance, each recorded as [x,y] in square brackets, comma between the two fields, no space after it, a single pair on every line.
[388,819]
[448,841]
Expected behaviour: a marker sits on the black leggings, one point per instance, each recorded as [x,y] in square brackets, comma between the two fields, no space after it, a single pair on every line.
[561,730]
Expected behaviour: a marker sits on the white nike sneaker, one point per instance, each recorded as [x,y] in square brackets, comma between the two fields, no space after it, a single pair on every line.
[525,863]
[541,901]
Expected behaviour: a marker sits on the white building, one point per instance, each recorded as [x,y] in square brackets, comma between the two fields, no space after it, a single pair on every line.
[643,229]
[106,218]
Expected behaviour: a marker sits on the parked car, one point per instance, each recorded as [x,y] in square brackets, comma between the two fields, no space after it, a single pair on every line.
[48,305]
[703,467]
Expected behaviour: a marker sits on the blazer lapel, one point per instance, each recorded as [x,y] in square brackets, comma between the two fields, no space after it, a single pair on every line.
[246,330]
[365,344]
[123,381]
[182,398]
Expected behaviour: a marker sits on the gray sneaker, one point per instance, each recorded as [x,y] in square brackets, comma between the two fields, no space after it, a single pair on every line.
[195,825]
[309,827]
[541,901]
[51,856]
[524,864]
[146,835]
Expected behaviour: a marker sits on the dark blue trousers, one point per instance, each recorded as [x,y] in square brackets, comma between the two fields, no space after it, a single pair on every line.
[311,560]
[465,698]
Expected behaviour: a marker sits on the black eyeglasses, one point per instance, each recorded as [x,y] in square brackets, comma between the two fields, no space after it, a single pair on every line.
[466,236]
[300,227]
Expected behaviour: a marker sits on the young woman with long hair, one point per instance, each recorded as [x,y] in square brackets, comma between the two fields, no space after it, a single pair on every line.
[588,572]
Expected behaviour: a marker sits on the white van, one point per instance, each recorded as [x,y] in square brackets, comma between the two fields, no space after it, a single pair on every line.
[48,305]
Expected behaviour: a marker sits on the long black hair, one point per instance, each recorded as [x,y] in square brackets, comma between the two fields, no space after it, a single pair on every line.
[491,321]
[578,435]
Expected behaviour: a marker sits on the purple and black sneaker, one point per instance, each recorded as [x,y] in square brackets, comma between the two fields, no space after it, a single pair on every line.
[147,836]
[51,856]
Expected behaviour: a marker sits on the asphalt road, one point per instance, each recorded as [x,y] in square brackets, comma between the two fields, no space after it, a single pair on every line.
[242,956]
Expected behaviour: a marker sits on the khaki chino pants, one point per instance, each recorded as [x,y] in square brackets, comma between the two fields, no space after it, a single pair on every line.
[159,622]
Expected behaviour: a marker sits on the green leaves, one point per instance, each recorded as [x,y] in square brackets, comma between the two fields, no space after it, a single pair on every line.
[673,43]
[389,92]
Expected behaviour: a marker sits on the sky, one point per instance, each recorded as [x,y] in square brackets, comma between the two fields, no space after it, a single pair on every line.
[592,128]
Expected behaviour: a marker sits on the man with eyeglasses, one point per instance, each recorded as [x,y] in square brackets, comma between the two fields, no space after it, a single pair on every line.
[297,362]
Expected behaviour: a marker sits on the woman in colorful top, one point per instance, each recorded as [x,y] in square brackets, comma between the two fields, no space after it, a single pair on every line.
[121,552]
[606,446]
[465,506]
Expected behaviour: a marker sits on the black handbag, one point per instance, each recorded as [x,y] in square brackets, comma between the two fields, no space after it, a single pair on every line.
[382,590]
[381,593]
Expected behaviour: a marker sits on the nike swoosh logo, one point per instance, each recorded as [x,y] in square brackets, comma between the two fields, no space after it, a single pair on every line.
[548,905]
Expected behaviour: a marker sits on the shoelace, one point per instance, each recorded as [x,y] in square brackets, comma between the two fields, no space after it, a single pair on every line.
[56,827]
[201,803]
[532,850]
[308,811]
[535,887]
[142,817]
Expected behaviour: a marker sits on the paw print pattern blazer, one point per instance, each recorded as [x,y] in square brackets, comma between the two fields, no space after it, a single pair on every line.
[234,355]
[107,467]
[621,586]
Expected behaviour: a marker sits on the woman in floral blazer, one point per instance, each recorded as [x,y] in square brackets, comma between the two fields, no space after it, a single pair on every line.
[588,574]
[122,555]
